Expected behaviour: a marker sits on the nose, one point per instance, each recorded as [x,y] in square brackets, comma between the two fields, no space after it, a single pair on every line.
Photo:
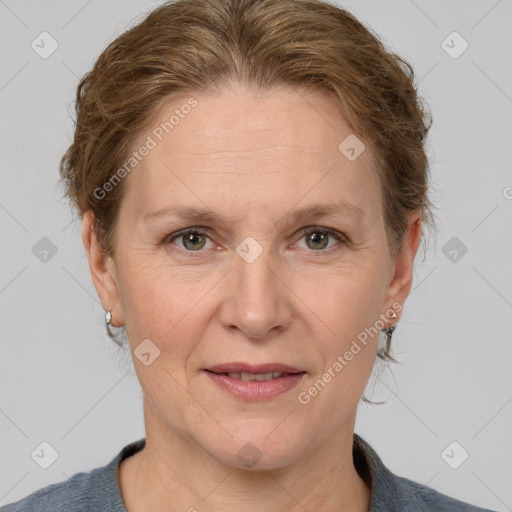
[257,301]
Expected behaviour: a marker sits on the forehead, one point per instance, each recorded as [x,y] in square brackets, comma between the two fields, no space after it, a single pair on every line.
[249,147]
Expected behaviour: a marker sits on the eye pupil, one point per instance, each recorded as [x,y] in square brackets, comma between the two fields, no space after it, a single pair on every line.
[317,237]
[192,239]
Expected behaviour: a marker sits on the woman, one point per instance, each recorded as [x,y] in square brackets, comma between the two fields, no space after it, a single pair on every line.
[252,181]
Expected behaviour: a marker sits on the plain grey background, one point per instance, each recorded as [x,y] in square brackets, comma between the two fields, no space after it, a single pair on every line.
[61,381]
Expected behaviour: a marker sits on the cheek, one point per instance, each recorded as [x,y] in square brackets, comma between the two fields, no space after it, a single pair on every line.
[164,305]
[343,303]
[344,309]
[347,356]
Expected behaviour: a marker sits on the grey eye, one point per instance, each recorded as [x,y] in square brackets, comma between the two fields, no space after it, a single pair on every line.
[193,241]
[318,240]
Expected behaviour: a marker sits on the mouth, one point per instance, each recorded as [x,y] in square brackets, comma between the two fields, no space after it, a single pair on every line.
[260,377]
[259,372]
[255,382]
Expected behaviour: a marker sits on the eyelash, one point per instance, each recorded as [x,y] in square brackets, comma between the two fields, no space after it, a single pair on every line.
[303,232]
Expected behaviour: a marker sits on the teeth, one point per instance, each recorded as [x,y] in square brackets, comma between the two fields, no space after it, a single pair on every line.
[254,376]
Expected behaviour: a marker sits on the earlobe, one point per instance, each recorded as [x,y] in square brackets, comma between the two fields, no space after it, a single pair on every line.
[102,270]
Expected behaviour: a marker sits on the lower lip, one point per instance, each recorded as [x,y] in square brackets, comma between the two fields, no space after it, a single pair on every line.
[256,390]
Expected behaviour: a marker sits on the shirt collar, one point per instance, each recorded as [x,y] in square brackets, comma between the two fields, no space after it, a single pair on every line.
[383,485]
[384,493]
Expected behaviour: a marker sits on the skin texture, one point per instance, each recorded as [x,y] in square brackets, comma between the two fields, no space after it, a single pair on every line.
[251,160]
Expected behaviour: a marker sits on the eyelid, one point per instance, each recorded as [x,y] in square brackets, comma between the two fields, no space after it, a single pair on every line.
[331,231]
[191,229]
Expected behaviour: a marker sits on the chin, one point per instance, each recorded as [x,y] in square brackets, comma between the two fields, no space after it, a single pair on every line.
[254,448]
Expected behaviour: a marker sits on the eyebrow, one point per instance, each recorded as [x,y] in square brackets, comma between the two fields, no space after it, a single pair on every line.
[300,214]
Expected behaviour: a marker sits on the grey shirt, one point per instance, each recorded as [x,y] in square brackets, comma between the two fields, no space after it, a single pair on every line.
[98,490]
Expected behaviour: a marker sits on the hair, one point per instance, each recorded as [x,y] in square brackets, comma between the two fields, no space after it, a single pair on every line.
[188,46]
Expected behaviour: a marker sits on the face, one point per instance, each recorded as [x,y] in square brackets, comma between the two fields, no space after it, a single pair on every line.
[247,236]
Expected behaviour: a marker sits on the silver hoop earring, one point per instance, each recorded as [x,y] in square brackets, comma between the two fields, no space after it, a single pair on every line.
[390,329]
[108,320]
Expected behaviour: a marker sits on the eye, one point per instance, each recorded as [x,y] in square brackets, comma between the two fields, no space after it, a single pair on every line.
[192,239]
[318,238]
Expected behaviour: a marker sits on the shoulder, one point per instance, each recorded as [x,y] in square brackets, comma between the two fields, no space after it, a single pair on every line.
[95,490]
[415,497]
[393,493]
[60,497]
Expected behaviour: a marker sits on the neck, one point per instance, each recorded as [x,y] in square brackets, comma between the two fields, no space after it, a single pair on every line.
[175,474]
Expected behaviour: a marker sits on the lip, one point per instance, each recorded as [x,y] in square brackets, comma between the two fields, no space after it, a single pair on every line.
[254,390]
[239,367]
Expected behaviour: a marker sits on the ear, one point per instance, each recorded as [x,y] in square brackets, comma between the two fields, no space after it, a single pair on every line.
[102,270]
[402,267]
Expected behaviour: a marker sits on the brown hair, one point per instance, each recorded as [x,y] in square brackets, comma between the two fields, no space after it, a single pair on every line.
[196,45]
